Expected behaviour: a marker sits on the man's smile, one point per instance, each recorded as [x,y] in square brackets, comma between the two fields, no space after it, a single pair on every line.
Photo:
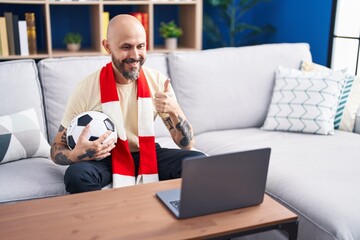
[131,61]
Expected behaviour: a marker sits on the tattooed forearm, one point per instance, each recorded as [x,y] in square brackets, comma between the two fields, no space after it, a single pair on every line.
[184,127]
[61,159]
[58,156]
[168,123]
[63,138]
[61,128]
[58,149]
[89,154]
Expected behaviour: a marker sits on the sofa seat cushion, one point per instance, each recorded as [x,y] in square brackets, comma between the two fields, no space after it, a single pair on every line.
[31,178]
[316,175]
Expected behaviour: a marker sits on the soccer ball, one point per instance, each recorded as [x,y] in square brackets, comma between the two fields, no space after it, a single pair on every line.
[99,124]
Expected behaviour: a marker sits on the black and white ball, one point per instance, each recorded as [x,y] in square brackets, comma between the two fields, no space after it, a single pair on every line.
[99,124]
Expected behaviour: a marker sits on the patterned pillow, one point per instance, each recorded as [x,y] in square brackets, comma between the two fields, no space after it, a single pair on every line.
[349,101]
[304,101]
[20,137]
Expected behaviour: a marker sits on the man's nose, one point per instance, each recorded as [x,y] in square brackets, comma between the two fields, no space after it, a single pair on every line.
[134,53]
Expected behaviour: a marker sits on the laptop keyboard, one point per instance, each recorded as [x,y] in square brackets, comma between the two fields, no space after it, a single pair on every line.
[175,204]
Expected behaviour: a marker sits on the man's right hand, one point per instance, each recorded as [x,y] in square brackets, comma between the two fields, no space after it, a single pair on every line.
[84,150]
[93,150]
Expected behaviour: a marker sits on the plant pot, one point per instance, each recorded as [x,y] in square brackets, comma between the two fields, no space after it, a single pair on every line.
[171,43]
[73,47]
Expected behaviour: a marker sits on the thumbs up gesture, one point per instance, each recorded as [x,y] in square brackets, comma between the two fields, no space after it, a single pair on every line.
[167,86]
[164,101]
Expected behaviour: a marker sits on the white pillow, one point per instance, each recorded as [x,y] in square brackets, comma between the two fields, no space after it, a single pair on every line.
[20,137]
[349,102]
[304,101]
[352,107]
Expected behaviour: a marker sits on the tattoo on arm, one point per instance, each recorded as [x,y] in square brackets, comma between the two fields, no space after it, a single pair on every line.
[63,138]
[184,127]
[59,157]
[89,153]
[61,128]
[168,123]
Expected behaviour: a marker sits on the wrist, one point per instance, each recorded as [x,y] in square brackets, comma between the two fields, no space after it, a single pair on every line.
[72,156]
[174,113]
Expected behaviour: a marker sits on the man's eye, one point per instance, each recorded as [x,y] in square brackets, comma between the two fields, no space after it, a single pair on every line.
[125,47]
[141,46]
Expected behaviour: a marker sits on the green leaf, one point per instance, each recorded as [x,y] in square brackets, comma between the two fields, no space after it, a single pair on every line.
[220,3]
[170,30]
[246,5]
[244,26]
[231,13]
[212,31]
[72,37]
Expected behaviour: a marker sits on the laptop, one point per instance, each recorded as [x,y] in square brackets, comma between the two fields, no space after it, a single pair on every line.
[219,183]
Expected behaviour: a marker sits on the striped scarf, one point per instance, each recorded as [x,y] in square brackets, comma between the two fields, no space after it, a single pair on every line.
[123,167]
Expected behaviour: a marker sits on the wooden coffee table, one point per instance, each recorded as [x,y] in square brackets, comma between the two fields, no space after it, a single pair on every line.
[134,213]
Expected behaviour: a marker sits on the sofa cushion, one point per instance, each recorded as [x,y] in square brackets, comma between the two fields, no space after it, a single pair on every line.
[316,175]
[21,89]
[20,137]
[349,101]
[33,178]
[157,61]
[230,87]
[352,106]
[304,101]
[357,122]
[59,76]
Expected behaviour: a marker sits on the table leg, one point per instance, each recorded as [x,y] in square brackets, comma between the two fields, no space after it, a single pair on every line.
[291,229]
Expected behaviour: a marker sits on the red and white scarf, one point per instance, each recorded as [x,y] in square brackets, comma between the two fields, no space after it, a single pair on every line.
[123,167]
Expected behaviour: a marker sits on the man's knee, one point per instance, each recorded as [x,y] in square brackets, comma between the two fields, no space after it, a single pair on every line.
[81,178]
[196,154]
[172,168]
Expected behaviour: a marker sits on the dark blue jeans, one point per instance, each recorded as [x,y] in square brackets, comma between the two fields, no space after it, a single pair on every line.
[93,175]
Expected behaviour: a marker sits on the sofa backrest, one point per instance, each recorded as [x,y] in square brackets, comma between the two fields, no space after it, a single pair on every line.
[59,76]
[20,89]
[230,88]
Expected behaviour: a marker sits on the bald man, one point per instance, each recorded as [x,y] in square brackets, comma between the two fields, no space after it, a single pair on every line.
[138,91]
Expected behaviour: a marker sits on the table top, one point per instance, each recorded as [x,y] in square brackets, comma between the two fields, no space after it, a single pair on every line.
[127,213]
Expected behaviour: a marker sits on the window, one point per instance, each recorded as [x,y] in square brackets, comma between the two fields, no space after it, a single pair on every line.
[345,41]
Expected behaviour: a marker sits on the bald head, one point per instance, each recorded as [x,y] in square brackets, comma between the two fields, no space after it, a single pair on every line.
[125,26]
[126,42]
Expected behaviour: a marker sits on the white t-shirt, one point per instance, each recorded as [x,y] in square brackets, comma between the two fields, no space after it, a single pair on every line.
[86,97]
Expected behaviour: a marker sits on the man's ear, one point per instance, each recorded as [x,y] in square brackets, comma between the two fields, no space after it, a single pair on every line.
[105,44]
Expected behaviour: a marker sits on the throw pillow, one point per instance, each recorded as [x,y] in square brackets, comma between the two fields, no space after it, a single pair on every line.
[304,101]
[20,137]
[313,67]
[349,101]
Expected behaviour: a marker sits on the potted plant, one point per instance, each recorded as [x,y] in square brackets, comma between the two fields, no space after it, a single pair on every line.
[73,41]
[170,32]
[230,30]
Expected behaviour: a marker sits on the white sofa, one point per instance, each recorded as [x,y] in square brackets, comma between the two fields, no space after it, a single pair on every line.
[225,94]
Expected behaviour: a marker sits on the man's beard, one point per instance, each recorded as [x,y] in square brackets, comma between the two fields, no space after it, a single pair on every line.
[134,72]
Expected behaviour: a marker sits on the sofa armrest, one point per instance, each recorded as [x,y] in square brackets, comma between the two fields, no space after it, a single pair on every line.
[357,122]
